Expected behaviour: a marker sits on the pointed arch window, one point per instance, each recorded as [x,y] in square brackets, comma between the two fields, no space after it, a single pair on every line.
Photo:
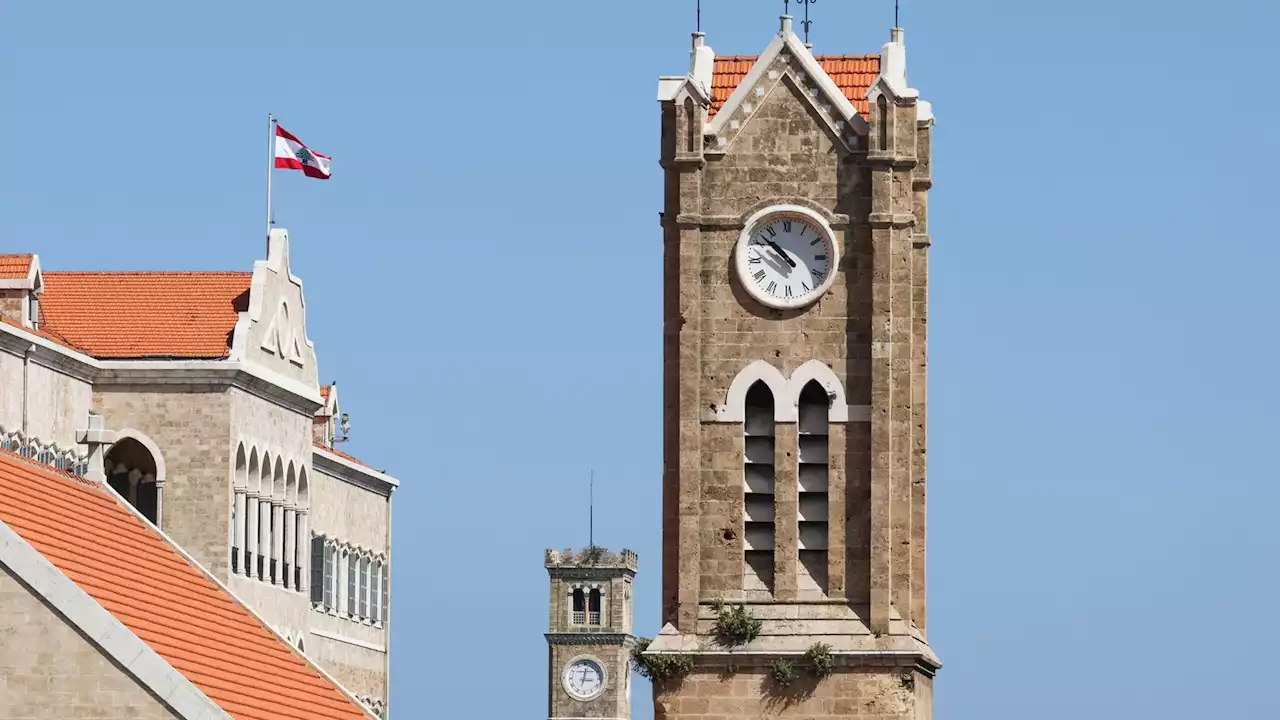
[595,601]
[812,479]
[238,509]
[690,127]
[330,579]
[758,487]
[364,588]
[578,612]
[882,110]
[375,592]
[352,571]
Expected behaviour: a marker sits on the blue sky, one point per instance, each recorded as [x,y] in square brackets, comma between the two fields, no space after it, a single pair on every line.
[483,280]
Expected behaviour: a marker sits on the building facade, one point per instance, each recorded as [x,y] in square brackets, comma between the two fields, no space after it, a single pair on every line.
[225,438]
[796,274]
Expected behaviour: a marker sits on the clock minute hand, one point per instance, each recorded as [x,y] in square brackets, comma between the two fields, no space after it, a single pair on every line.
[781,252]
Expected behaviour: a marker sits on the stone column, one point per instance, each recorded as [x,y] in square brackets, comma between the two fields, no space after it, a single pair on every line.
[277,541]
[250,567]
[238,543]
[159,504]
[263,570]
[290,558]
[135,478]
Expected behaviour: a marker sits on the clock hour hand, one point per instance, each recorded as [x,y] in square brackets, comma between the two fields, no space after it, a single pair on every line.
[781,252]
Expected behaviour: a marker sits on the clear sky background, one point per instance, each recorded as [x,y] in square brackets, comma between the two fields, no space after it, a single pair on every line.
[483,280]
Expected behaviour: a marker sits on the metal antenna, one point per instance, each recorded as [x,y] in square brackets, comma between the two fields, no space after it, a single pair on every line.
[591,516]
[896,8]
[806,22]
[786,7]
[699,15]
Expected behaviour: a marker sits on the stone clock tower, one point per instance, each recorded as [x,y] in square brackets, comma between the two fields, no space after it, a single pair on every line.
[589,642]
[796,274]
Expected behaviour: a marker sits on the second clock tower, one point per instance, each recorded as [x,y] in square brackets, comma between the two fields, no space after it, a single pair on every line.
[589,640]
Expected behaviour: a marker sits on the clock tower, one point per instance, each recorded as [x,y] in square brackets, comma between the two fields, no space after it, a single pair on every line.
[589,640]
[796,253]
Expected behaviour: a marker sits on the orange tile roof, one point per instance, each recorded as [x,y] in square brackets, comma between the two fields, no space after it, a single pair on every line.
[324,393]
[142,580]
[854,75]
[145,314]
[14,267]
[42,333]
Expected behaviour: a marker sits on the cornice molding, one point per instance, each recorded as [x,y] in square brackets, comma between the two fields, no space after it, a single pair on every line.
[343,469]
[255,380]
[621,639]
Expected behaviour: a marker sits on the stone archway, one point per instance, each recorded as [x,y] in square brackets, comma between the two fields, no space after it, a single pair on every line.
[134,471]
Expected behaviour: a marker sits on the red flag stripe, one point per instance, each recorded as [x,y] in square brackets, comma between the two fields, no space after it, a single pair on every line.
[291,164]
[281,132]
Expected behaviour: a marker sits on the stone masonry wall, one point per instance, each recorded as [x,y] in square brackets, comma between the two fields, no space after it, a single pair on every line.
[11,302]
[337,509]
[57,404]
[191,429]
[751,692]
[360,670]
[783,155]
[348,512]
[48,671]
[612,703]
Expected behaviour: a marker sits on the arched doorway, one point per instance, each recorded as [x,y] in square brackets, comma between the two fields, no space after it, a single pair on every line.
[132,471]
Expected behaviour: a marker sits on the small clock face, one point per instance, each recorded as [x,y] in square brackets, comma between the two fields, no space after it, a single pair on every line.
[786,257]
[584,678]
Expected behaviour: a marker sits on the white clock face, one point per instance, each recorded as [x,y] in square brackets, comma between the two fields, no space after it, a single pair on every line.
[786,257]
[584,679]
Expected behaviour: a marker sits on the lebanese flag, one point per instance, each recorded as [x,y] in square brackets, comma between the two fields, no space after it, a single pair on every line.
[291,154]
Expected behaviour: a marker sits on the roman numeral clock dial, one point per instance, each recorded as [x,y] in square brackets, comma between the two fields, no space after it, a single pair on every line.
[786,257]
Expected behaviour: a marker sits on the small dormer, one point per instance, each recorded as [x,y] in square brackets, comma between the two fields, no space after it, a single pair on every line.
[331,424]
[21,284]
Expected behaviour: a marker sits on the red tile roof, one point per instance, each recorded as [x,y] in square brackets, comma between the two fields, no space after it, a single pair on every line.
[854,75]
[15,267]
[142,580]
[123,315]
[324,393]
[42,333]
[342,455]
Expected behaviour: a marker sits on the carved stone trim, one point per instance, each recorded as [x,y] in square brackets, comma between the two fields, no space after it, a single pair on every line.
[620,639]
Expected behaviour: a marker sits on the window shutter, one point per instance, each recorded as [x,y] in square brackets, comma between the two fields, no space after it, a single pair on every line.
[351,586]
[386,586]
[364,587]
[317,570]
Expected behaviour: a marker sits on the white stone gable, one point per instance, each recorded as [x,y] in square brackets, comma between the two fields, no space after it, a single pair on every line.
[272,333]
[787,59]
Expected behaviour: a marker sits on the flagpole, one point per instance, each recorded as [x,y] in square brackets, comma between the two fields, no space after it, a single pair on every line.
[271,163]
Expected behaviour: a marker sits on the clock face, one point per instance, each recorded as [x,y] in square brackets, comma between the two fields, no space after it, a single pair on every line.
[584,678]
[786,257]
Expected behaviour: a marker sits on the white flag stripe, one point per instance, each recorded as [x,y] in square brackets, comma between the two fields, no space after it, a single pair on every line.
[289,150]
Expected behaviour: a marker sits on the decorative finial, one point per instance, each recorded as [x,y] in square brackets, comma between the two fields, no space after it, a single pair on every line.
[699,27]
[591,516]
[896,8]
[807,23]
